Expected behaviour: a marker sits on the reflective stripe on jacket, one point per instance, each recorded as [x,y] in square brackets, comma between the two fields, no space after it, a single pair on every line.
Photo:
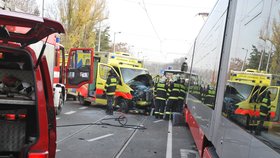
[182,92]
[161,91]
[111,85]
[265,107]
[174,91]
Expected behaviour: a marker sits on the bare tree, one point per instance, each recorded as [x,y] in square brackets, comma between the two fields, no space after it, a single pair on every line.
[27,6]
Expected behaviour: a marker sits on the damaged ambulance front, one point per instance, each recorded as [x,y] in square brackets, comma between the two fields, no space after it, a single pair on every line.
[141,83]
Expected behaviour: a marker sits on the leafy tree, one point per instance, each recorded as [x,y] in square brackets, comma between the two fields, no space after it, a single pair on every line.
[254,59]
[104,40]
[27,6]
[79,18]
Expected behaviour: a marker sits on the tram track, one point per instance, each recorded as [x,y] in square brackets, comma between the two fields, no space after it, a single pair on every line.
[127,141]
[80,130]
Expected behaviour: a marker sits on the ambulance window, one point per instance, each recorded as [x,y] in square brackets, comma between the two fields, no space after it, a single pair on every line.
[104,71]
[117,70]
[273,93]
[255,94]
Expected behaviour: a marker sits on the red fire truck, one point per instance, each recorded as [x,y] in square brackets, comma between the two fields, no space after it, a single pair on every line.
[27,112]
[55,55]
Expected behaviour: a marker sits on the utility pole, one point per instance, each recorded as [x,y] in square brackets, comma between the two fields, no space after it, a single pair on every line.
[243,64]
[43,8]
[114,46]
[260,63]
[99,37]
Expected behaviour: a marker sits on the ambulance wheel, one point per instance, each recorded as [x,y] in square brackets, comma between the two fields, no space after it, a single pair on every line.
[123,105]
[60,105]
[83,101]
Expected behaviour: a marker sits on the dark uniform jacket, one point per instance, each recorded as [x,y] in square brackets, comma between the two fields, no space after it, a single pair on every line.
[174,91]
[111,85]
[161,91]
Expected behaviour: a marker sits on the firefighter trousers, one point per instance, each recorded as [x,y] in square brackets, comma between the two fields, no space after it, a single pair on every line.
[110,102]
[170,108]
[159,108]
[180,105]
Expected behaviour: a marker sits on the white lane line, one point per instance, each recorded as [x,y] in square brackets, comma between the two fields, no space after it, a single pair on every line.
[78,131]
[157,121]
[101,137]
[83,108]
[70,112]
[57,118]
[58,150]
[169,141]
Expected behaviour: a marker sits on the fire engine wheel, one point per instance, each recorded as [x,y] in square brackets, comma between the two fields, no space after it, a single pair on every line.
[83,101]
[60,105]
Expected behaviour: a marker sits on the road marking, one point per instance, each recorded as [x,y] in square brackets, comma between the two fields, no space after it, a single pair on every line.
[83,108]
[70,112]
[169,141]
[157,121]
[78,131]
[186,153]
[101,137]
[119,153]
[58,150]
[57,118]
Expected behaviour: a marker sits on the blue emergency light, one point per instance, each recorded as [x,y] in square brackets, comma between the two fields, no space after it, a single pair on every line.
[57,39]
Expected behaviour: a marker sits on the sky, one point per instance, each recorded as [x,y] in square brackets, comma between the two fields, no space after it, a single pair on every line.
[157,30]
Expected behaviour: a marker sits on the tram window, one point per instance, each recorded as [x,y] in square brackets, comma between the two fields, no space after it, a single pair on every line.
[259,112]
[206,61]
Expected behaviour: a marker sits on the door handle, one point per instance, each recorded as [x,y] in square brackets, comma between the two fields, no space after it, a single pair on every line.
[100,83]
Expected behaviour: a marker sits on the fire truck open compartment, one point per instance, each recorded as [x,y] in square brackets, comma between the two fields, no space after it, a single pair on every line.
[18,111]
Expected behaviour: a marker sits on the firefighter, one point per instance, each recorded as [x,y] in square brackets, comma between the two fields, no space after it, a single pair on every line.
[161,89]
[209,96]
[172,103]
[110,88]
[182,95]
[265,108]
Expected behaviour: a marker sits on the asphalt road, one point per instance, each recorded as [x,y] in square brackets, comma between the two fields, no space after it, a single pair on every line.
[87,132]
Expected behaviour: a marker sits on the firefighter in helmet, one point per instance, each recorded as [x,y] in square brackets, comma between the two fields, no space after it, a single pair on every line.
[161,89]
[110,87]
[265,108]
[172,103]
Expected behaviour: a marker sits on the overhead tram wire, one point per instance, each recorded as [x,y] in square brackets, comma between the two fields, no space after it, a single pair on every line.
[145,9]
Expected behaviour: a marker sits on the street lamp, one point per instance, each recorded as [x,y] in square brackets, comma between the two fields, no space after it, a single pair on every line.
[244,59]
[203,15]
[114,47]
